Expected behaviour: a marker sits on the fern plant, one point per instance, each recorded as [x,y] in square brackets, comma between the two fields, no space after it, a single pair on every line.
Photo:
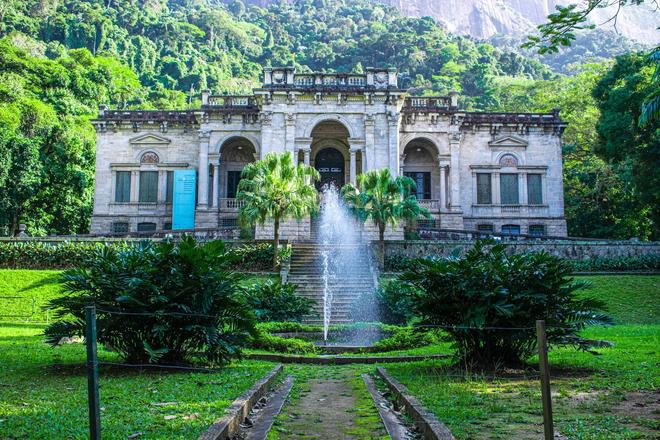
[489,301]
[158,302]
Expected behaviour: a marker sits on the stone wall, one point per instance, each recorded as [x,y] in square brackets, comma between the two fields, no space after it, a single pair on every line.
[573,250]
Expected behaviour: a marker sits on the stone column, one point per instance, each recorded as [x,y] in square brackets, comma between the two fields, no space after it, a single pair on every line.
[290,131]
[353,166]
[369,146]
[443,185]
[455,170]
[203,170]
[162,186]
[393,135]
[216,183]
[135,188]
[307,153]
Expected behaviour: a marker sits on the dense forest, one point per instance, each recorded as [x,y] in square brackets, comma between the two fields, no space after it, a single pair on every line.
[59,59]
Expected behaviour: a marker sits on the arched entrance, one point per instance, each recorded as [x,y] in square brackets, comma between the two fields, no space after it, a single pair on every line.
[330,152]
[330,165]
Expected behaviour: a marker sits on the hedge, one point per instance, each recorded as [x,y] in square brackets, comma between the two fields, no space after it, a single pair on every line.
[643,263]
[253,257]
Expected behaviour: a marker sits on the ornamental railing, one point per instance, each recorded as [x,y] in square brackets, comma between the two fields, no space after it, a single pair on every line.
[231,204]
[427,103]
[232,102]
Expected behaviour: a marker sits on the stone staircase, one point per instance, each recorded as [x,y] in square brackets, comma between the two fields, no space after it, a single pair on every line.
[306,270]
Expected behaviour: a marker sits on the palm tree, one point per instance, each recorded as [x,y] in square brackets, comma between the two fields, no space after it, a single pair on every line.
[383,199]
[275,188]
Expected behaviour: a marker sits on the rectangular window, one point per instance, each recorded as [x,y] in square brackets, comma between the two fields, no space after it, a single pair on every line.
[537,230]
[511,229]
[120,227]
[484,189]
[167,226]
[509,189]
[485,228]
[148,186]
[422,183]
[169,187]
[123,187]
[233,177]
[146,227]
[534,189]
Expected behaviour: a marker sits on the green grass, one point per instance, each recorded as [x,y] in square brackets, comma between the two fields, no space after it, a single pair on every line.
[630,298]
[29,290]
[43,392]
[587,389]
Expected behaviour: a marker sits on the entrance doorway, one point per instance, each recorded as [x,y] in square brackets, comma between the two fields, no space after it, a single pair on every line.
[329,163]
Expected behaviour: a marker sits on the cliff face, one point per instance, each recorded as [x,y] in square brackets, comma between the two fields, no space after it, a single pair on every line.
[486,18]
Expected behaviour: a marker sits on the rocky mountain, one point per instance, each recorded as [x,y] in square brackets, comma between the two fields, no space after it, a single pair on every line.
[517,18]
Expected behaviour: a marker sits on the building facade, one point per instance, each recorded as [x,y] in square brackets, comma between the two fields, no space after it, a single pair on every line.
[499,172]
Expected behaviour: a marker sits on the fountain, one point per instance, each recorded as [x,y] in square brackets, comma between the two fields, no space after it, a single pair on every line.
[345,257]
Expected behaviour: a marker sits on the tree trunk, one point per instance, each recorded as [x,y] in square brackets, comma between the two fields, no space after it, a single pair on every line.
[381,246]
[276,240]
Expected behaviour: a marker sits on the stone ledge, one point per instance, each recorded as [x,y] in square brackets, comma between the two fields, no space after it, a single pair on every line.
[430,427]
[227,426]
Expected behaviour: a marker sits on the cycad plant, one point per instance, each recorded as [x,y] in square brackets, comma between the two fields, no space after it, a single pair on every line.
[489,300]
[383,199]
[276,188]
[163,303]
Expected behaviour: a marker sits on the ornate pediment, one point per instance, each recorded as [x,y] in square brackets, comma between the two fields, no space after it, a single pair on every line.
[149,139]
[508,142]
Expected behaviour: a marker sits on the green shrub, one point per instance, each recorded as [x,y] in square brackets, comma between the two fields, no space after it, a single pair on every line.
[397,263]
[181,299]
[253,257]
[288,327]
[649,263]
[273,301]
[489,301]
[389,303]
[47,255]
[408,337]
[268,342]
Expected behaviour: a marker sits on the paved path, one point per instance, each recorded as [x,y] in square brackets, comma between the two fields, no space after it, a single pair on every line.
[329,409]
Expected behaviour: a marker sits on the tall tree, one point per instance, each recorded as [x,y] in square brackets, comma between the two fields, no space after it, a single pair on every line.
[622,140]
[384,200]
[275,188]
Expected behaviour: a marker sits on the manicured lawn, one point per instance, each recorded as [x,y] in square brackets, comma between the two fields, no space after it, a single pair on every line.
[610,396]
[630,298]
[43,392]
[23,293]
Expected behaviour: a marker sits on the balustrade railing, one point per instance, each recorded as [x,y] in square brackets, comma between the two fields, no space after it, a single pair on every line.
[427,103]
[231,204]
[235,101]
[431,205]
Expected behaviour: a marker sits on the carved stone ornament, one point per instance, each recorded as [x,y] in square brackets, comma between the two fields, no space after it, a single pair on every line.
[266,117]
[380,79]
[150,158]
[508,160]
[279,77]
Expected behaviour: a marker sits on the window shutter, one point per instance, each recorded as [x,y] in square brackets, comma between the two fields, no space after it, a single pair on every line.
[534,189]
[123,187]
[509,189]
[169,192]
[148,186]
[484,196]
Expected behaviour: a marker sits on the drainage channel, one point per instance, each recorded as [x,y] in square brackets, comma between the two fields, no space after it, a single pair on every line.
[261,417]
[396,426]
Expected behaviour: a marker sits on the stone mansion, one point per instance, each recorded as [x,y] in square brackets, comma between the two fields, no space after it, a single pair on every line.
[495,172]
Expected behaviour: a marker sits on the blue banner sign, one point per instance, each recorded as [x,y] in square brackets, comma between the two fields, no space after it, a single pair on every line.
[183,203]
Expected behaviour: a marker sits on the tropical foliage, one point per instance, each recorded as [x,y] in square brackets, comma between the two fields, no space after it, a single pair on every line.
[273,301]
[488,302]
[161,303]
[275,188]
[384,200]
